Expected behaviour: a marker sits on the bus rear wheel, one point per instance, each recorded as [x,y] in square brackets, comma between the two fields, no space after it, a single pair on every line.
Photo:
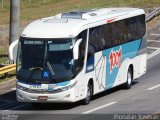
[129,81]
[87,100]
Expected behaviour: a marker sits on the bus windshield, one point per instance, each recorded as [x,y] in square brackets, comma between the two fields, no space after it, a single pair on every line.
[45,61]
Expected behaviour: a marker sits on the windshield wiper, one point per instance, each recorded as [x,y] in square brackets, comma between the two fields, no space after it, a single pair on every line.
[45,61]
[50,68]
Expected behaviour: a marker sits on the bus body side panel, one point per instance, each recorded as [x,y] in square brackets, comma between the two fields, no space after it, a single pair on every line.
[140,63]
[100,71]
[96,69]
[118,59]
[111,65]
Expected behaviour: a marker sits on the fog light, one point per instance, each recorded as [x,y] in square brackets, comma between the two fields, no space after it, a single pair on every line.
[20,96]
[67,95]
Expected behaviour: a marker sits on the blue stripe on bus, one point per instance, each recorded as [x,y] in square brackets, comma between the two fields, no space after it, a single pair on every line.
[63,83]
[129,50]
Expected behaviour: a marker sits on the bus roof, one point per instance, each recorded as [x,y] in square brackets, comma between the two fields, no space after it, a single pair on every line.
[70,24]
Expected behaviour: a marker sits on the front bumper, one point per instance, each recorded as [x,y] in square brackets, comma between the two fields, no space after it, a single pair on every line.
[65,96]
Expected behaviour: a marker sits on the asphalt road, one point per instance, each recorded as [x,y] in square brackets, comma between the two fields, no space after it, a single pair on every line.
[143,97]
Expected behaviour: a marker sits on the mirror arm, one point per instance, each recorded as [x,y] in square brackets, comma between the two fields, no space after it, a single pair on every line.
[11,48]
[76,49]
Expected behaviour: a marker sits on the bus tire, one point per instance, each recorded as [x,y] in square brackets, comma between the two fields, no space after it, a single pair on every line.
[87,100]
[129,81]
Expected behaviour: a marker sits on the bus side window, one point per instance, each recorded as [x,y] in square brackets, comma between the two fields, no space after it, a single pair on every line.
[92,43]
[141,26]
[82,48]
[107,36]
[133,28]
[101,41]
[121,32]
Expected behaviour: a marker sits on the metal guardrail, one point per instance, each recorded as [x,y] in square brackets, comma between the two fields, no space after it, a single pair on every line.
[7,69]
[152,14]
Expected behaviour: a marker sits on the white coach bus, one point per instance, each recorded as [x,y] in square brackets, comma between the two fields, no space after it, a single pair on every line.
[74,55]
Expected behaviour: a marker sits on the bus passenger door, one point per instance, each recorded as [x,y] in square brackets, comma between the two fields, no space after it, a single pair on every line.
[100,70]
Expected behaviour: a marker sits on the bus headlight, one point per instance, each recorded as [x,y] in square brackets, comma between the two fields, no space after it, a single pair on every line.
[68,87]
[22,88]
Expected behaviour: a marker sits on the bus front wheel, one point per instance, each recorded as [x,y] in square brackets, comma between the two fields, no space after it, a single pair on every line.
[87,100]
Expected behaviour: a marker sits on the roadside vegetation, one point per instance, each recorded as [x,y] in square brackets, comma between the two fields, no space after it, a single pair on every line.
[153,22]
[34,9]
[3,54]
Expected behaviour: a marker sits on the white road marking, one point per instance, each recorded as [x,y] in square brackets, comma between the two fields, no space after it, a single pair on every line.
[103,106]
[154,87]
[154,34]
[153,40]
[17,107]
[153,48]
[6,110]
[153,54]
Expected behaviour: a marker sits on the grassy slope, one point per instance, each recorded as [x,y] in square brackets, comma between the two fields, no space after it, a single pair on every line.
[3,53]
[42,8]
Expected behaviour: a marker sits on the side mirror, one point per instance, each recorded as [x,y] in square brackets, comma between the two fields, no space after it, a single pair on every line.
[13,51]
[76,49]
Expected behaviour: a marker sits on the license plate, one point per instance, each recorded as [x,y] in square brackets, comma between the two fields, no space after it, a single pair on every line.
[42,98]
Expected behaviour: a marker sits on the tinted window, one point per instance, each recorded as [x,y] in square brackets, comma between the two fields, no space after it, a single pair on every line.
[83,36]
[116,33]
